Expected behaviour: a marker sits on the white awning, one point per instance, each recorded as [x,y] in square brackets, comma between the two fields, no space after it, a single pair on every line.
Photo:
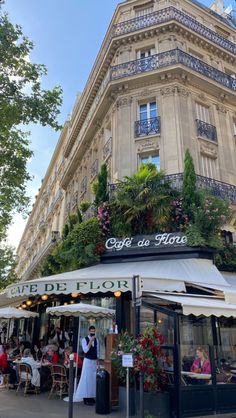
[158,275]
[201,306]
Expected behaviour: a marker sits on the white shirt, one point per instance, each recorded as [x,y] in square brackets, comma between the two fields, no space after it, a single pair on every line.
[85,345]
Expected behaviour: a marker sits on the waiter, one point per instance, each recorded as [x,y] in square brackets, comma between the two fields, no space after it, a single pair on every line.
[87,385]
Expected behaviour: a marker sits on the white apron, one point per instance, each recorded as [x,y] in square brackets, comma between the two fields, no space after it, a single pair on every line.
[87,384]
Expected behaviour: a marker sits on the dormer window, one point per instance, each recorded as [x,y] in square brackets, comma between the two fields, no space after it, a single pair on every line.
[144,10]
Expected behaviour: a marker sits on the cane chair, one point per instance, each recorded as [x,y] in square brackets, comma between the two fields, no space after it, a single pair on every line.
[25,375]
[5,377]
[59,380]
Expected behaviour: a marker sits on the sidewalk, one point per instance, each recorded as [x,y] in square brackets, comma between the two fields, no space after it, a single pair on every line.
[39,406]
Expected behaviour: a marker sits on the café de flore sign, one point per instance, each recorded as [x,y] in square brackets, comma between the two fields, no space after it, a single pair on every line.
[67,286]
[158,241]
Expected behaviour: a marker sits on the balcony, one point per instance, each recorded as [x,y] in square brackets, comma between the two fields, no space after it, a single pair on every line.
[218,188]
[170,58]
[94,169]
[206,130]
[36,262]
[107,149]
[169,14]
[149,126]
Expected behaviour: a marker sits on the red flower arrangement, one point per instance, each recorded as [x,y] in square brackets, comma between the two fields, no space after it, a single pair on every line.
[148,358]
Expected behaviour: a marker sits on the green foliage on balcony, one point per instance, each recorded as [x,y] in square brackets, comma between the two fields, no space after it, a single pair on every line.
[79,248]
[226,258]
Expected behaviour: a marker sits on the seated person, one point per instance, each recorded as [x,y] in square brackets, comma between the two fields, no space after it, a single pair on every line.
[51,355]
[39,350]
[201,363]
[77,359]
[28,359]
[6,367]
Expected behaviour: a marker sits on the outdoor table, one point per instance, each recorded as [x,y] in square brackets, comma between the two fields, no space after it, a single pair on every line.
[200,378]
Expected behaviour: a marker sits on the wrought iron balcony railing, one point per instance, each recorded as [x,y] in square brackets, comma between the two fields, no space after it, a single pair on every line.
[167,59]
[206,130]
[107,149]
[166,15]
[147,127]
[218,188]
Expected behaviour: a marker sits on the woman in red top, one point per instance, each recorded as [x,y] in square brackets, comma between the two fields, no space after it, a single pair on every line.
[52,356]
[3,360]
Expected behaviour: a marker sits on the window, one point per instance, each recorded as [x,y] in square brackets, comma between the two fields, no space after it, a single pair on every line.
[203,124]
[143,12]
[203,113]
[208,166]
[147,111]
[149,122]
[151,158]
[234,129]
[145,53]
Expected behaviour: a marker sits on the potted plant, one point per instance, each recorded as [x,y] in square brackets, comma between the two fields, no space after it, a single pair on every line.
[148,359]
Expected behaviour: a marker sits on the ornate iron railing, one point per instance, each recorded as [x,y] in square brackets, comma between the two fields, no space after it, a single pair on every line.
[218,188]
[166,15]
[206,130]
[94,169]
[107,149]
[168,58]
[147,127]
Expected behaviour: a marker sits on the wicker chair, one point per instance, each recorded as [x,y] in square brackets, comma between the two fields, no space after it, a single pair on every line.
[59,380]
[25,375]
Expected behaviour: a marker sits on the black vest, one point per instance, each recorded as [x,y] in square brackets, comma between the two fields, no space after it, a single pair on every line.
[92,353]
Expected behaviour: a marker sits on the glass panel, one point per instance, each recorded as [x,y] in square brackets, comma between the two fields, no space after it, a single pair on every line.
[153,110]
[225,353]
[167,366]
[143,112]
[155,159]
[195,331]
[144,160]
[196,365]
[165,325]
[147,318]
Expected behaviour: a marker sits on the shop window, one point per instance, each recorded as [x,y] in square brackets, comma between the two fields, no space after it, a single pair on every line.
[195,337]
[225,352]
[151,158]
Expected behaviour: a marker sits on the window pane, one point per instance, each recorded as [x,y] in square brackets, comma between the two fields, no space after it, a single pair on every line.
[155,159]
[196,365]
[153,110]
[144,160]
[143,112]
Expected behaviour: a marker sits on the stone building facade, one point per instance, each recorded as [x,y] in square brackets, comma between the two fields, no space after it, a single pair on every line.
[164,81]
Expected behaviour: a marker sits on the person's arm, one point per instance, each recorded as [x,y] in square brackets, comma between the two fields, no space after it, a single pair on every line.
[85,346]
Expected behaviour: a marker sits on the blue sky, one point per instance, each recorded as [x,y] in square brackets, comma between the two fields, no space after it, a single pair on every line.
[67,35]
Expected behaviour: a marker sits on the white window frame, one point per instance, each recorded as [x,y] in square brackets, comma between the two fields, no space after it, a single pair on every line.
[203,113]
[148,111]
[148,52]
